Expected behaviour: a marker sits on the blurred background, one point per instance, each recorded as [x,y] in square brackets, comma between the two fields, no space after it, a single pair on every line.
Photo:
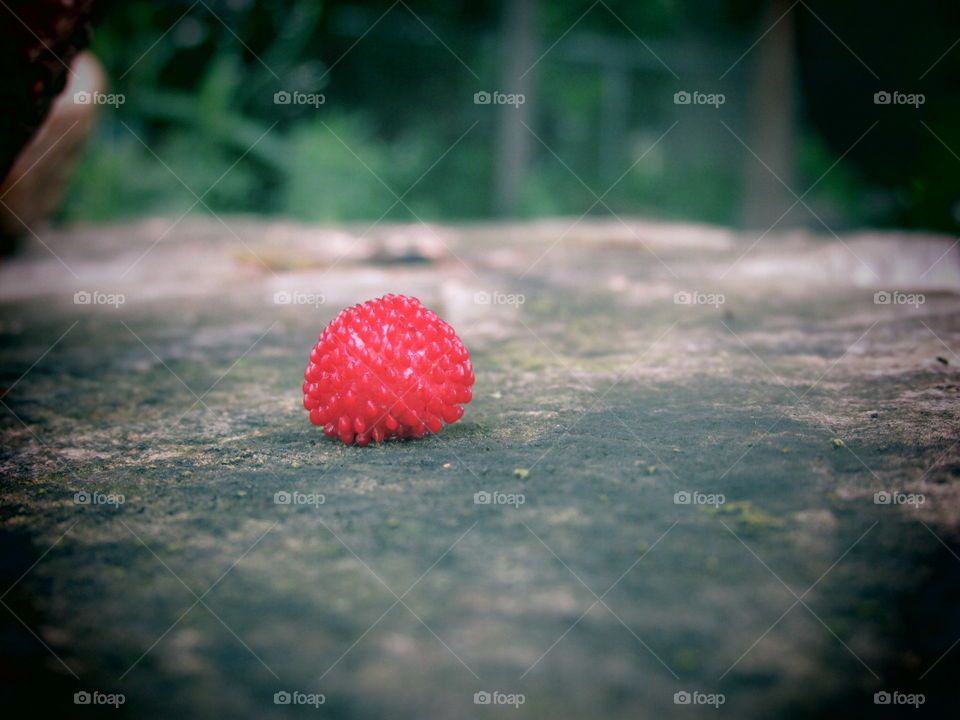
[787,108]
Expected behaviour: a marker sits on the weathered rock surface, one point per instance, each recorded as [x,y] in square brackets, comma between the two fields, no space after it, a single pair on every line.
[784,385]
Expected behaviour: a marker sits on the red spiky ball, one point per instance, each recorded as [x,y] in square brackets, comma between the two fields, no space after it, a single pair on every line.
[386,368]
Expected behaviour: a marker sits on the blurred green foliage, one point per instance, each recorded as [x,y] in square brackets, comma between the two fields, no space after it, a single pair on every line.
[399,118]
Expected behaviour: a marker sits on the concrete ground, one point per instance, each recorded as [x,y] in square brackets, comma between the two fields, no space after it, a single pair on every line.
[683,432]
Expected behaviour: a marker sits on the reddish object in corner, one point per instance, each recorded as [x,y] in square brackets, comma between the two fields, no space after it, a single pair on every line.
[386,368]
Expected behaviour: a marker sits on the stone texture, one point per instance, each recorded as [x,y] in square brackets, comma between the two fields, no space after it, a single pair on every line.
[798,398]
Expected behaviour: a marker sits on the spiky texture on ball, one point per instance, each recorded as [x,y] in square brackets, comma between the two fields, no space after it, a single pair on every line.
[386,368]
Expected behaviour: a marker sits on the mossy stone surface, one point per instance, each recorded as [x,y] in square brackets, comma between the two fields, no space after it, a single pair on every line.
[598,399]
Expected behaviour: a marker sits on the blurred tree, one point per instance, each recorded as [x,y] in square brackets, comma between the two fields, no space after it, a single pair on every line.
[518,55]
[773,119]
